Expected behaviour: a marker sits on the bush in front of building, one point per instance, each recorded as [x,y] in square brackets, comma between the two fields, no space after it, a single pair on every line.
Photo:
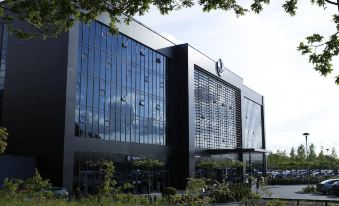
[196,186]
[34,187]
[108,183]
[126,188]
[168,192]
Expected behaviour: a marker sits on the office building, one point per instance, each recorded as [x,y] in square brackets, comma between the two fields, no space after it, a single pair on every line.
[90,95]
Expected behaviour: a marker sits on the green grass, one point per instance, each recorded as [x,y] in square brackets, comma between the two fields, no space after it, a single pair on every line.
[119,200]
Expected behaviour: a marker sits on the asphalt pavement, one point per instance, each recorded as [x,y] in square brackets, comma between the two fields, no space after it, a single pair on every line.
[293,192]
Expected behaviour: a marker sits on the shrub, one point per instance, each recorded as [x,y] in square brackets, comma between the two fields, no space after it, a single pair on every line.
[167,192]
[195,186]
[253,199]
[275,202]
[310,189]
[34,187]
[12,185]
[191,200]
[223,193]
[126,188]
[108,183]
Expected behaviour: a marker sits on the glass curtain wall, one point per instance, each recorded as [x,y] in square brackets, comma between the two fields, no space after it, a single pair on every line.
[120,88]
[253,125]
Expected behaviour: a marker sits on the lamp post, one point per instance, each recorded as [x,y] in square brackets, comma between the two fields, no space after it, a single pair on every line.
[308,175]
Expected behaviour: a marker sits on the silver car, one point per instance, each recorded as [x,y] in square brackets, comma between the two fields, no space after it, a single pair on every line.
[326,186]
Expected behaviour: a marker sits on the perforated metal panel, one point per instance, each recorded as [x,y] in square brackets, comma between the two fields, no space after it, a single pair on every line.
[218,112]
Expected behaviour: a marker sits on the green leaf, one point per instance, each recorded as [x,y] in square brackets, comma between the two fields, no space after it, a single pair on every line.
[290,7]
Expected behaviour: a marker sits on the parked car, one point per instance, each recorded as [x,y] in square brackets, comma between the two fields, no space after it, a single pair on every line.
[58,192]
[325,187]
[335,188]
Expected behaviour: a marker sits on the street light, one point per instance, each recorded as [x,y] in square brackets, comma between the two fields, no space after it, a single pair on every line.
[308,172]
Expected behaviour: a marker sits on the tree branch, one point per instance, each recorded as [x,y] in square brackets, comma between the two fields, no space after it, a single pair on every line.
[332,2]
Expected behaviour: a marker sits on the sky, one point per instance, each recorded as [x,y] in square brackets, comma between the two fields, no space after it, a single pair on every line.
[262,50]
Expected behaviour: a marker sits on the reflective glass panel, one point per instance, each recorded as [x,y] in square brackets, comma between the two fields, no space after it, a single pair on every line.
[120,88]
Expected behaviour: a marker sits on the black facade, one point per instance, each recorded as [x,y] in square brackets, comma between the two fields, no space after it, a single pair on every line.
[90,95]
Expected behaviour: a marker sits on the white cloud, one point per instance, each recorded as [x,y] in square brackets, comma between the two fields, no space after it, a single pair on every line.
[262,50]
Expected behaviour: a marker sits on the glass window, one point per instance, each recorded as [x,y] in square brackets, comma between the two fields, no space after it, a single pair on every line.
[158,86]
[112,125]
[119,72]
[129,76]
[108,97]
[77,121]
[128,124]
[107,127]
[253,125]
[83,95]
[89,123]
[138,79]
[114,70]
[90,92]
[91,61]
[146,58]
[108,69]
[95,133]
[137,129]
[133,73]
[98,35]
[101,125]
[142,80]
[134,53]
[142,58]
[117,126]
[102,96]
[104,35]
[96,93]
[123,73]
[92,34]
[115,44]
[103,67]
[123,127]
[154,84]
[97,60]
[138,56]
[85,29]
[146,106]
[109,43]
[129,52]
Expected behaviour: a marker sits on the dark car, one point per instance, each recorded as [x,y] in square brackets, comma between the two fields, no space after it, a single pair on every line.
[325,187]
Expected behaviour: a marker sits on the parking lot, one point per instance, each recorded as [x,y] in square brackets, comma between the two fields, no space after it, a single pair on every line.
[293,192]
